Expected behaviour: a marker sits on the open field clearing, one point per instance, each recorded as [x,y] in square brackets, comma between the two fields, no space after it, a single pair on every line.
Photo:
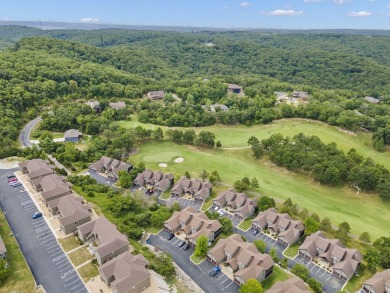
[238,135]
[364,212]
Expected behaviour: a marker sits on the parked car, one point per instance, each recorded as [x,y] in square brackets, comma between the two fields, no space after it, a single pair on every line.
[16,184]
[11,176]
[215,271]
[181,243]
[255,232]
[12,180]
[187,246]
[170,236]
[37,215]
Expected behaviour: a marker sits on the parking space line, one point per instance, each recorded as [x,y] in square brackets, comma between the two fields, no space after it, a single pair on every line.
[53,254]
[48,240]
[220,277]
[54,244]
[41,229]
[65,264]
[329,277]
[66,285]
[75,275]
[225,280]
[50,251]
[229,284]
[78,290]
[66,268]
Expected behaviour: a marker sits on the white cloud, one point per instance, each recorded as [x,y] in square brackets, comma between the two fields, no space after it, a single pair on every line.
[359,13]
[311,1]
[245,4]
[339,2]
[89,20]
[388,5]
[226,7]
[283,12]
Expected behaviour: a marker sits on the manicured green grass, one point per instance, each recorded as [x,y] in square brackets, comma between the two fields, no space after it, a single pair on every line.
[277,275]
[197,260]
[365,212]
[246,224]
[80,256]
[237,136]
[166,195]
[69,243]
[88,271]
[20,279]
[292,250]
[153,230]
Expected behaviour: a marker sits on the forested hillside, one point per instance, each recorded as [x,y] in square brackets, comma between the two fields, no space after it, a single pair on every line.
[337,71]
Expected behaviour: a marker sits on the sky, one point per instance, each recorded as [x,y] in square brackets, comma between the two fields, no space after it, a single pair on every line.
[278,14]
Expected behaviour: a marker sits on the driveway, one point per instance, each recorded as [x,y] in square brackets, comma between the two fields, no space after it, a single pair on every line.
[101,179]
[198,273]
[235,220]
[45,257]
[184,202]
[331,283]
[270,242]
[24,136]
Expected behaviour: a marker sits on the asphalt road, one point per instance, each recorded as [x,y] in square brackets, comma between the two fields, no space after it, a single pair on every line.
[45,257]
[198,273]
[24,136]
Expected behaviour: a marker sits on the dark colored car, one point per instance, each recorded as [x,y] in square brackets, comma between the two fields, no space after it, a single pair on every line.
[11,176]
[37,215]
[187,246]
[215,271]
[181,243]
[170,236]
[255,232]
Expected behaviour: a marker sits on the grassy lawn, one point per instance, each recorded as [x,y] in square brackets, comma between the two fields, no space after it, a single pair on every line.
[356,282]
[88,271]
[21,279]
[166,195]
[277,275]
[153,230]
[197,260]
[338,203]
[69,243]
[292,250]
[238,135]
[246,224]
[80,256]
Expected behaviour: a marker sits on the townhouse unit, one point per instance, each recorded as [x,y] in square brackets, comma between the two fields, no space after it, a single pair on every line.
[343,261]
[197,189]
[239,203]
[153,181]
[193,224]
[288,231]
[379,283]
[293,285]
[36,168]
[105,241]
[110,167]
[52,187]
[72,211]
[242,258]
[126,273]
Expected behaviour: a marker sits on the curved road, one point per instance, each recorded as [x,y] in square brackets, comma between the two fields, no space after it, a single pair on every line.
[24,136]
[24,139]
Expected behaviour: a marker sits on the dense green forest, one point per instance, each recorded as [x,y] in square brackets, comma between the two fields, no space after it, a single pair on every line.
[39,68]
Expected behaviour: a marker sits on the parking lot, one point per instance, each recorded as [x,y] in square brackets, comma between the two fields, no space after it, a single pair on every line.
[270,242]
[185,202]
[45,257]
[198,273]
[235,220]
[331,283]
[100,178]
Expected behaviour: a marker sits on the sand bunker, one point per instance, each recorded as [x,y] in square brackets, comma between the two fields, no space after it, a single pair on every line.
[179,160]
[163,165]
